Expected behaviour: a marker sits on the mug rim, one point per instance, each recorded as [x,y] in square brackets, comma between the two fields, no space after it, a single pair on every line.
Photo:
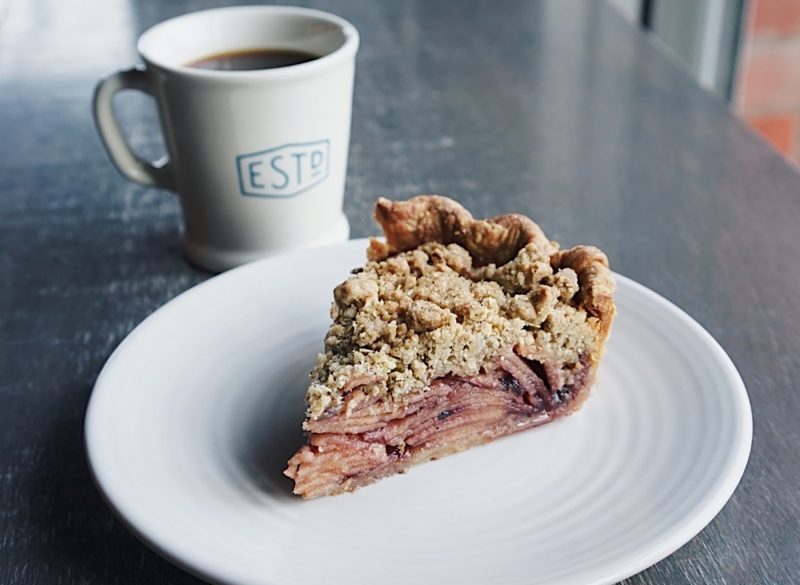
[342,53]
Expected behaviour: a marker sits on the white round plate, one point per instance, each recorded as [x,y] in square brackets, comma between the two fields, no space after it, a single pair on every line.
[195,414]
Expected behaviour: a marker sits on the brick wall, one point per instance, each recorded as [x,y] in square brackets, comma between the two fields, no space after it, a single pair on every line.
[768,85]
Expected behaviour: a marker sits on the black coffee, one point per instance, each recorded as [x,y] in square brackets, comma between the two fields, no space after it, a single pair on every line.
[252,59]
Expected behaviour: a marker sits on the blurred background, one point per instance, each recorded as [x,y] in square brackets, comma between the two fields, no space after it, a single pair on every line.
[746,51]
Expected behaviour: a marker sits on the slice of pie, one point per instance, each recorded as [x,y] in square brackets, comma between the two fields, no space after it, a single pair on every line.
[456,331]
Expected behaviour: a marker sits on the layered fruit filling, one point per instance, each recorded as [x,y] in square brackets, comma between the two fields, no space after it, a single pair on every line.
[367,441]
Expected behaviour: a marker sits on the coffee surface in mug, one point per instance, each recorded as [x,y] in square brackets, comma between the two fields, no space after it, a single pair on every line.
[252,59]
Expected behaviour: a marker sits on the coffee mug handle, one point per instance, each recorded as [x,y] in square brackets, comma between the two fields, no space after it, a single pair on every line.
[155,174]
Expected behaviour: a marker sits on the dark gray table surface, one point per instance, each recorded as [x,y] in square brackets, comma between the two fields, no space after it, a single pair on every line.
[556,109]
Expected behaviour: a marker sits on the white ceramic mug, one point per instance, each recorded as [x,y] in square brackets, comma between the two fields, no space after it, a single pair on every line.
[258,158]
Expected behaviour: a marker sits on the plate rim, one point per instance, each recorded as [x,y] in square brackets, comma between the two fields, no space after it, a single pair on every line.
[676,538]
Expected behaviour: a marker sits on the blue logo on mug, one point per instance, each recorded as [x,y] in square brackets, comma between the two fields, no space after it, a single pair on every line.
[283,171]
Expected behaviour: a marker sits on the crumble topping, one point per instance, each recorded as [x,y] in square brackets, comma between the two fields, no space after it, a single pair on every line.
[405,320]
